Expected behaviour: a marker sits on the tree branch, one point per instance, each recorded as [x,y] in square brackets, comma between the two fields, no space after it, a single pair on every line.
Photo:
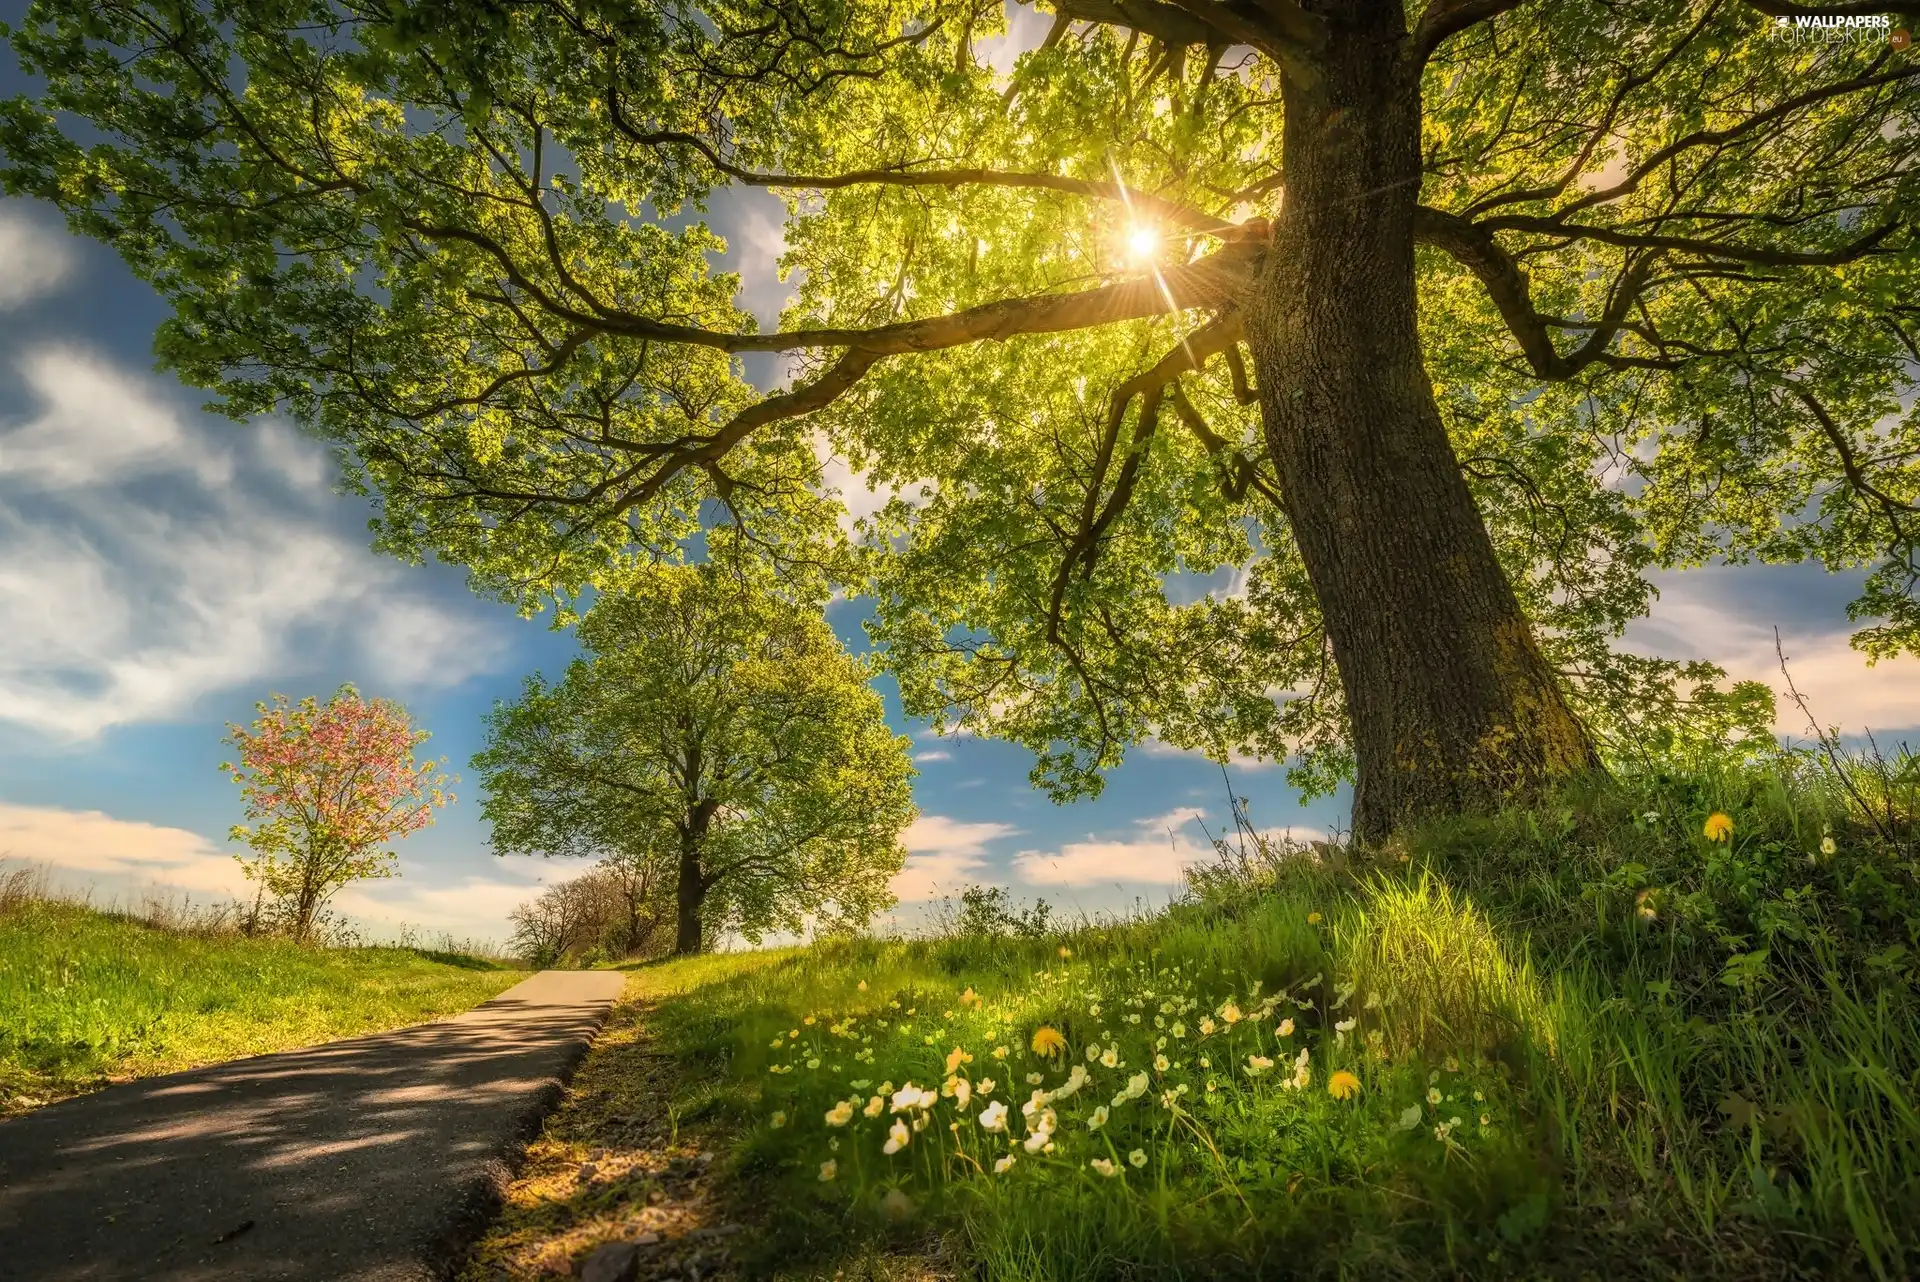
[1444,18]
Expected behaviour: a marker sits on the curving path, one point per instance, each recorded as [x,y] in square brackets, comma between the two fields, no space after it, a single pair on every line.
[371,1160]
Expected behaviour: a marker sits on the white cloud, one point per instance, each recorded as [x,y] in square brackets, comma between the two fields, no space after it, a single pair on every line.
[944,855]
[1702,616]
[128,853]
[124,602]
[35,259]
[937,754]
[97,424]
[475,905]
[1158,852]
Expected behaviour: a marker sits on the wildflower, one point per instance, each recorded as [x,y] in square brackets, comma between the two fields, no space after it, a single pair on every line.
[862,985]
[960,1089]
[840,1114]
[1285,1029]
[1451,1064]
[920,1123]
[994,1117]
[1138,1158]
[1034,1079]
[1093,1052]
[777,1043]
[1162,1063]
[971,998]
[1065,952]
[1409,1117]
[808,1021]
[1343,1085]
[813,1063]
[792,1033]
[1099,1118]
[897,1138]
[1477,1097]
[1302,1073]
[1719,827]
[833,1143]
[1211,1086]
[1826,846]
[897,1204]
[906,1097]
[956,1057]
[1110,1058]
[1206,1026]
[1075,1080]
[1000,1166]
[1433,1095]
[1258,1064]
[875,1106]
[999,1052]
[1179,1029]
[1342,1028]
[1230,1013]
[1042,1134]
[1313,919]
[1485,1120]
[779,1120]
[828,1169]
[1105,1166]
[1159,1043]
[1047,1041]
[984,1086]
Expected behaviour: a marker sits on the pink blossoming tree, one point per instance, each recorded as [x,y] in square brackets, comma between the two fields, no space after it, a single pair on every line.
[327,788]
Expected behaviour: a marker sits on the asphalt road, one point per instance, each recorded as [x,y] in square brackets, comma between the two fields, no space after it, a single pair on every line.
[372,1160]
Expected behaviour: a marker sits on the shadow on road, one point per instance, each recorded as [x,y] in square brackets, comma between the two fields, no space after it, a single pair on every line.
[375,1158]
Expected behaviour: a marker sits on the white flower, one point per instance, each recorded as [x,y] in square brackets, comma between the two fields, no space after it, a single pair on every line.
[1285,1029]
[779,1120]
[1034,1079]
[1000,1167]
[1093,1052]
[1099,1118]
[828,1169]
[1104,1166]
[1162,1063]
[1258,1064]
[1138,1157]
[906,1097]
[962,1092]
[994,1116]
[1110,1057]
[1075,1080]
[840,1114]
[1826,846]
[1345,1025]
[897,1138]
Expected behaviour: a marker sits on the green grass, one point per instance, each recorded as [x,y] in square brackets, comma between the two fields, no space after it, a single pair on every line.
[1668,1057]
[88,997]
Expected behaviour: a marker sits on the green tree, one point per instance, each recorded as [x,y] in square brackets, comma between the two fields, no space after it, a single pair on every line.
[1427,328]
[726,721]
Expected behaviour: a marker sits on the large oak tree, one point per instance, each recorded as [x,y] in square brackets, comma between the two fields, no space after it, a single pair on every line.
[1432,325]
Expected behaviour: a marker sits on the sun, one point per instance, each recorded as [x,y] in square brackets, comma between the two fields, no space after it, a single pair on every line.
[1143,242]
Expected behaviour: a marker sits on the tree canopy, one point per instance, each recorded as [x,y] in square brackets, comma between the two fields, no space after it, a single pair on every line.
[717,731]
[1282,375]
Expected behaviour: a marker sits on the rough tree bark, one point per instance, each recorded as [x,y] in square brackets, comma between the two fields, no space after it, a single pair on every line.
[691,891]
[1453,707]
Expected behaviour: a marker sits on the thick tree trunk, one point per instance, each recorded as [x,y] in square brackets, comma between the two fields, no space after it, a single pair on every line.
[691,892]
[1452,705]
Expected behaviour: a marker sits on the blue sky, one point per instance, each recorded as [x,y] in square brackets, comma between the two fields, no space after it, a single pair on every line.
[161,569]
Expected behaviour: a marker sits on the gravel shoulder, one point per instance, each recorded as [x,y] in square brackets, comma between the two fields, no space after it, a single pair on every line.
[370,1160]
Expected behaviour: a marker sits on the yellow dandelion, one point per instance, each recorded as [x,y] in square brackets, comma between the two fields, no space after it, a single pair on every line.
[1343,1085]
[1065,952]
[1313,919]
[1719,827]
[1048,1041]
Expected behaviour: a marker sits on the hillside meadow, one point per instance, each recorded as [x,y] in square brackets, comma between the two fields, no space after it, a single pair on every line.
[1665,1026]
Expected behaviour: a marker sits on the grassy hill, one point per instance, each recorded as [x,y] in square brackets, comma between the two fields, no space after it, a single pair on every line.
[87,997]
[1614,1035]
